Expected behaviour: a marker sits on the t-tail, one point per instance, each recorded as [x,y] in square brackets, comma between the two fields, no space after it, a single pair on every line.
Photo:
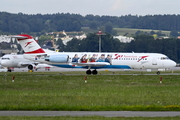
[29,45]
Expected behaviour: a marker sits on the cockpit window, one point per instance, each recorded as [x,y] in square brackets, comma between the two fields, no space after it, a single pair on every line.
[164,58]
[5,58]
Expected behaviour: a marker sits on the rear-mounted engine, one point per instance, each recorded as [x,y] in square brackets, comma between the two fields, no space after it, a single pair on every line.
[57,58]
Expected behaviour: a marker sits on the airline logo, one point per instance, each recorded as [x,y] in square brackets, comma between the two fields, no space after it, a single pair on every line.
[117,56]
[15,57]
[142,57]
[28,43]
[131,57]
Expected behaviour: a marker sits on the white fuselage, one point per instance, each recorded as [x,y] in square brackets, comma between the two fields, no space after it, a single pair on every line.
[15,61]
[118,60]
[18,61]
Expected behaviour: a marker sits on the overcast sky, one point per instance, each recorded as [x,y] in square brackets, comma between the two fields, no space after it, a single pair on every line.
[95,7]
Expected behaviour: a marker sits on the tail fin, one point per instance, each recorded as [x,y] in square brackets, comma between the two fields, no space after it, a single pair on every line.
[29,45]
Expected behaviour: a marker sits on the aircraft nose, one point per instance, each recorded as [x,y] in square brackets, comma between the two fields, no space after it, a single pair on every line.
[169,64]
[4,63]
[173,64]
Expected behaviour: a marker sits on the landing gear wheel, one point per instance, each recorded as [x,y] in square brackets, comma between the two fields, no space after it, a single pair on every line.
[158,72]
[94,72]
[88,72]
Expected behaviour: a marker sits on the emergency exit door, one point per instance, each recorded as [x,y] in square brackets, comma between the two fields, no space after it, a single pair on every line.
[154,61]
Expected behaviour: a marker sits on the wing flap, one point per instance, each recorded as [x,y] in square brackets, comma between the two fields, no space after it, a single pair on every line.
[29,63]
[25,64]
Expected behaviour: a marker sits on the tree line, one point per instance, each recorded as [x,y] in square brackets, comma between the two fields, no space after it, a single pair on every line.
[28,23]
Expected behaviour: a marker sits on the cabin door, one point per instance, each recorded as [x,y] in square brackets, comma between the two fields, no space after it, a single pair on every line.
[154,61]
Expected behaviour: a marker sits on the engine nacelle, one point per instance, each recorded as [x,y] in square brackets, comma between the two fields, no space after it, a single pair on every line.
[31,67]
[57,58]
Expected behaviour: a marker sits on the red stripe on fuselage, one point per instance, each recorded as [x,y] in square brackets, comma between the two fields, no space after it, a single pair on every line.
[40,50]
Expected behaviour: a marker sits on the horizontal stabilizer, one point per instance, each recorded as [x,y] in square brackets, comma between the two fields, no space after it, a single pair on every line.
[19,37]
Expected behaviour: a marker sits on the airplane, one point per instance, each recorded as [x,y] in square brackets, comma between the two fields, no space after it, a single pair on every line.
[2,69]
[18,61]
[93,60]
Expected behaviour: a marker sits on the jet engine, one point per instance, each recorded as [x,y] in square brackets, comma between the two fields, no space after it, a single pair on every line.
[31,67]
[57,58]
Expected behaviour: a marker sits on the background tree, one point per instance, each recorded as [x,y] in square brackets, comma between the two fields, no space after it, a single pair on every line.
[73,45]
[93,25]
[90,43]
[108,28]
[61,45]
[17,23]
[174,33]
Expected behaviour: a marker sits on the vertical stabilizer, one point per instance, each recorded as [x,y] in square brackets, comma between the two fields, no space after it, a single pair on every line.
[29,45]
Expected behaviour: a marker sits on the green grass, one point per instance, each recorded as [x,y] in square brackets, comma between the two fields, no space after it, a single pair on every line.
[121,72]
[88,30]
[122,31]
[54,91]
[130,31]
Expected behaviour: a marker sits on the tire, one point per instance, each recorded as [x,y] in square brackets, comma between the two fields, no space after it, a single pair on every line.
[94,72]
[158,73]
[88,72]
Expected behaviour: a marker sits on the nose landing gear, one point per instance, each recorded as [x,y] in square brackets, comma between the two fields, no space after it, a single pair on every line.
[158,72]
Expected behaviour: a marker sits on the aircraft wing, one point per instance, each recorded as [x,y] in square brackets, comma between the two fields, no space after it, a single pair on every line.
[28,63]
[90,64]
[25,64]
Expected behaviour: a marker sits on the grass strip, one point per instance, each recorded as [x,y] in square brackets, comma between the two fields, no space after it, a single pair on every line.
[54,91]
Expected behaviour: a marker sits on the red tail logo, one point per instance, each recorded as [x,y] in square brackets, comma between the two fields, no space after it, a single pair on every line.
[28,43]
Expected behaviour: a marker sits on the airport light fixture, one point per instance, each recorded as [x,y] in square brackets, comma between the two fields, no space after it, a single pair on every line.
[99,33]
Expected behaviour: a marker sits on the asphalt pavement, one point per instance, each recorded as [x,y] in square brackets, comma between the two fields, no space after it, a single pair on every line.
[91,113]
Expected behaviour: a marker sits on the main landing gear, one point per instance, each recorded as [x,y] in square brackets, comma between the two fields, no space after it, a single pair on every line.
[89,72]
[158,72]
